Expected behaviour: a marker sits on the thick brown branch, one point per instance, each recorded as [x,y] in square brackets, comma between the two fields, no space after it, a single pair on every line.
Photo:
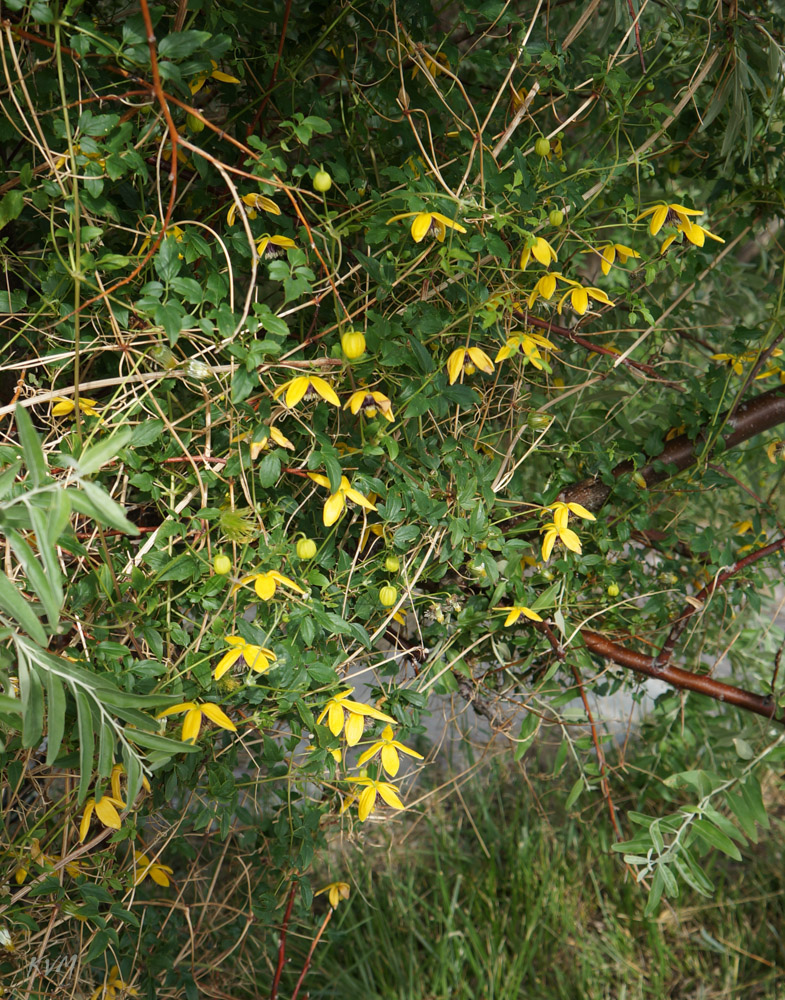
[683,680]
[678,626]
[758,415]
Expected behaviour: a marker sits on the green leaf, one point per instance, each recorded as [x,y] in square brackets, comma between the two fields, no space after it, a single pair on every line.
[575,792]
[530,726]
[753,799]
[55,716]
[101,506]
[334,472]
[31,447]
[9,704]
[155,742]
[11,207]
[12,602]
[36,578]
[31,694]
[106,742]
[86,742]
[716,838]
[93,458]
[133,773]
[182,43]
[49,556]
[269,471]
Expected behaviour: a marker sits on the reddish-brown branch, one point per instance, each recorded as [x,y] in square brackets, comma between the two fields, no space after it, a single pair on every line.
[637,29]
[604,784]
[678,626]
[681,679]
[311,950]
[274,74]
[282,946]
[567,334]
[751,418]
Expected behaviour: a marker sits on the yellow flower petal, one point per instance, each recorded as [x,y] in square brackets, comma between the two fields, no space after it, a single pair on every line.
[333,508]
[296,390]
[335,718]
[366,803]
[389,795]
[391,762]
[84,826]
[218,716]
[455,364]
[420,226]
[481,360]
[191,726]
[325,390]
[264,585]
[354,728]
[107,813]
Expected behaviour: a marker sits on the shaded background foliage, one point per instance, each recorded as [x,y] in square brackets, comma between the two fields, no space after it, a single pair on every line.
[148,333]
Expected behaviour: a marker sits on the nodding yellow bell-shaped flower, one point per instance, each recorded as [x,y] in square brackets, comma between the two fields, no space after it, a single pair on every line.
[428,222]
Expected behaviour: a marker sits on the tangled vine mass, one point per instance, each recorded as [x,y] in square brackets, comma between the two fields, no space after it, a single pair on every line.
[362,359]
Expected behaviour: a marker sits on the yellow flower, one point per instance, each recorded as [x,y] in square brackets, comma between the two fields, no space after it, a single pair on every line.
[572,508]
[157,872]
[113,988]
[695,234]
[542,252]
[737,362]
[256,657]
[336,892]
[468,359]
[609,252]
[193,719]
[515,613]
[64,407]
[265,584]
[114,780]
[389,750]
[369,403]
[199,81]
[367,802]
[557,529]
[255,202]
[37,856]
[545,287]
[428,222]
[260,440]
[306,387]
[775,450]
[105,810]
[272,242]
[673,214]
[579,297]
[175,231]
[336,502]
[339,709]
[433,63]
[527,343]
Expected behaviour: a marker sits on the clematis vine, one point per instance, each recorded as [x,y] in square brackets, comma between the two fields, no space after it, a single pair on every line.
[192,723]
[336,502]
[306,387]
[425,223]
[256,203]
[468,360]
[341,709]
[258,658]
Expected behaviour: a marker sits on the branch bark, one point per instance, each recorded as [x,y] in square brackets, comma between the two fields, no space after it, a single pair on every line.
[683,680]
[758,415]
